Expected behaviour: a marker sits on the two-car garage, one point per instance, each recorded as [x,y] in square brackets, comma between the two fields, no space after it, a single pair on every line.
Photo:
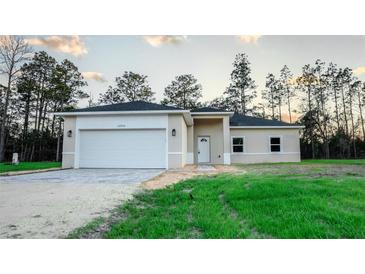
[122,148]
[126,135]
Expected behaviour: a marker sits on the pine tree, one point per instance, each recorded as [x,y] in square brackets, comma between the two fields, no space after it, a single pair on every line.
[361,103]
[220,103]
[306,82]
[353,90]
[286,78]
[183,92]
[129,87]
[270,93]
[241,91]
[67,82]
[13,52]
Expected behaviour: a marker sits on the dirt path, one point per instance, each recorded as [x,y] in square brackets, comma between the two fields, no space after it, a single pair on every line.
[171,177]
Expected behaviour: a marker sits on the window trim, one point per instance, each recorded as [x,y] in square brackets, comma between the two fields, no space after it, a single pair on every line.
[281,144]
[243,145]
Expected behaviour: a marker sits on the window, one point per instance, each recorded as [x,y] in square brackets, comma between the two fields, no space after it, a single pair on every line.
[237,144]
[275,144]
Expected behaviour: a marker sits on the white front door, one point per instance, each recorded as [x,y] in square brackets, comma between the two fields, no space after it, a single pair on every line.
[203,149]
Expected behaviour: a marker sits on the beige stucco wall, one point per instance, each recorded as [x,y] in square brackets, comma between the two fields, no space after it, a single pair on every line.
[68,151]
[257,145]
[177,151]
[214,129]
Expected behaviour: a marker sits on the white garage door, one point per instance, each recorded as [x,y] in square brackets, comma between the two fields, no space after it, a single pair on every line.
[122,149]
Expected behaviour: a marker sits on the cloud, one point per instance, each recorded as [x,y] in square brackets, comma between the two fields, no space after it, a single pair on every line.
[249,39]
[359,70]
[66,44]
[158,40]
[93,75]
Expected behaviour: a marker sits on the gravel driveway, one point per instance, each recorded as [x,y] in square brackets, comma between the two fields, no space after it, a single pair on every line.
[52,204]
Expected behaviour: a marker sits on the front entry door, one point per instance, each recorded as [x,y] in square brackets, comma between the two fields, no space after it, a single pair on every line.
[203,149]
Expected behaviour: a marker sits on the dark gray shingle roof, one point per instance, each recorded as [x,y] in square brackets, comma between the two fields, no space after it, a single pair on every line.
[208,109]
[242,120]
[129,106]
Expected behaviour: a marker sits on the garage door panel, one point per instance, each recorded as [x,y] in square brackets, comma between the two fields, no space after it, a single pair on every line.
[123,149]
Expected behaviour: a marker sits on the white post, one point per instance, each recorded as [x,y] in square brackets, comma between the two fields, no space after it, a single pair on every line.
[15,160]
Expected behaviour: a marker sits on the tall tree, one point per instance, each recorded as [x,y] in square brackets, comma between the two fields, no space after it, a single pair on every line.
[286,84]
[270,93]
[321,97]
[334,86]
[13,52]
[241,91]
[361,103]
[183,92]
[344,79]
[26,86]
[67,84]
[353,90]
[129,87]
[306,82]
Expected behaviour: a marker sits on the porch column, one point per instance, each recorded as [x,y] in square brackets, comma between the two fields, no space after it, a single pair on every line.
[190,146]
[226,141]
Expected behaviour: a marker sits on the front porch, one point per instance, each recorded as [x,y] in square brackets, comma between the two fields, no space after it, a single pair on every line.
[209,140]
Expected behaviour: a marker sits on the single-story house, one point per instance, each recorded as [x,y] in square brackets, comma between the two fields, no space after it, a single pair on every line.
[148,135]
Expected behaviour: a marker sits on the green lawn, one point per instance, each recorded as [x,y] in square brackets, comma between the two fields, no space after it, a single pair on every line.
[6,167]
[281,201]
[335,162]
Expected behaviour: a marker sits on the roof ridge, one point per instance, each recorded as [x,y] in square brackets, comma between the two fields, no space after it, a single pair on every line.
[239,119]
[138,105]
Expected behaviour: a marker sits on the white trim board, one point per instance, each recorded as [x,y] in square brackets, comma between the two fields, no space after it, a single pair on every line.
[186,113]
[266,127]
[190,158]
[211,113]
[227,158]
[263,153]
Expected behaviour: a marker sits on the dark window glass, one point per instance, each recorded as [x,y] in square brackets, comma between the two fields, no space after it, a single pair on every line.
[237,148]
[238,141]
[275,140]
[275,148]
[237,144]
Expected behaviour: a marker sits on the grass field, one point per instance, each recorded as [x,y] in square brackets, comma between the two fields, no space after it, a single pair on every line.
[7,167]
[334,162]
[307,200]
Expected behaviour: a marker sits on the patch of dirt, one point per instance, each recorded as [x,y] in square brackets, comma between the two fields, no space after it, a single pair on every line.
[174,176]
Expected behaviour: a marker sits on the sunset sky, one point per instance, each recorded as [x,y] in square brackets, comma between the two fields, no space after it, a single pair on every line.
[208,58]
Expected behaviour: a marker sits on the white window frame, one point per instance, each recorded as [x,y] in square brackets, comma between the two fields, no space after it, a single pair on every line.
[243,145]
[281,144]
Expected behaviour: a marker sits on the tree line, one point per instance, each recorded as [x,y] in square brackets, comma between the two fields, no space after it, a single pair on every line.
[36,85]
[328,100]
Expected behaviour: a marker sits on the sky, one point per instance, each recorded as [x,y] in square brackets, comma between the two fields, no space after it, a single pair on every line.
[208,58]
